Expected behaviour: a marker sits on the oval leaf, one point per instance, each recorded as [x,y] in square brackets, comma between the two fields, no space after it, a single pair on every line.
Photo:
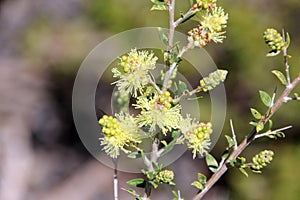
[211,163]
[288,40]
[159,7]
[259,127]
[230,141]
[201,178]
[243,171]
[197,185]
[265,98]
[136,182]
[280,76]
[255,113]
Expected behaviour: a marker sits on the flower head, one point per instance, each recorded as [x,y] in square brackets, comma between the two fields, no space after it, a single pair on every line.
[133,74]
[165,176]
[261,160]
[274,40]
[119,133]
[197,135]
[158,111]
[210,28]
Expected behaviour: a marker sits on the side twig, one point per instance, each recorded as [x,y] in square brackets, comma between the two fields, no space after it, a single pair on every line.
[242,146]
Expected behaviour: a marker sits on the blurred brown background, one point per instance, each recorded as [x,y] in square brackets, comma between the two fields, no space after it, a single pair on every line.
[42,46]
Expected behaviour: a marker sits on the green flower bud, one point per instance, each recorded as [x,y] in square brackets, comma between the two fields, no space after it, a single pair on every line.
[118,133]
[165,176]
[261,160]
[213,80]
[274,40]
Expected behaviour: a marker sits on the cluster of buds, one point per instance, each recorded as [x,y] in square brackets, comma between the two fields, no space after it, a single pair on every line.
[118,134]
[134,73]
[165,176]
[205,5]
[261,160]
[198,138]
[110,126]
[165,100]
[213,80]
[158,110]
[274,40]
[199,37]
[210,28]
[129,65]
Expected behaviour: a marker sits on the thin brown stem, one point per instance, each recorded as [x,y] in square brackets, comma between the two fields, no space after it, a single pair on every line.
[190,93]
[242,146]
[174,65]
[189,13]
[286,57]
[171,6]
[155,85]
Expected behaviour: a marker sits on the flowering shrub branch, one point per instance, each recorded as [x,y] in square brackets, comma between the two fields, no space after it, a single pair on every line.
[160,113]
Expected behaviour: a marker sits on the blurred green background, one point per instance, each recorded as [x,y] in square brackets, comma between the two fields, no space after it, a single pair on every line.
[42,46]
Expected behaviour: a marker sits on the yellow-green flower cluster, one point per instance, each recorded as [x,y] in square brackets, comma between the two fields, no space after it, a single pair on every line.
[197,135]
[261,160]
[158,111]
[206,4]
[165,176]
[119,133]
[274,40]
[213,80]
[133,72]
[210,28]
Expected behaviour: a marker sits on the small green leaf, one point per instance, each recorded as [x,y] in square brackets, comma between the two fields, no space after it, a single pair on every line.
[265,98]
[259,127]
[133,193]
[225,154]
[175,194]
[164,142]
[273,53]
[134,155]
[272,136]
[175,134]
[253,123]
[149,175]
[241,160]
[156,167]
[171,183]
[201,178]
[137,182]
[280,76]
[159,7]
[232,162]
[288,40]
[230,141]
[243,171]
[270,124]
[197,185]
[182,86]
[162,36]
[211,163]
[256,171]
[191,2]
[280,134]
[255,113]
[154,184]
